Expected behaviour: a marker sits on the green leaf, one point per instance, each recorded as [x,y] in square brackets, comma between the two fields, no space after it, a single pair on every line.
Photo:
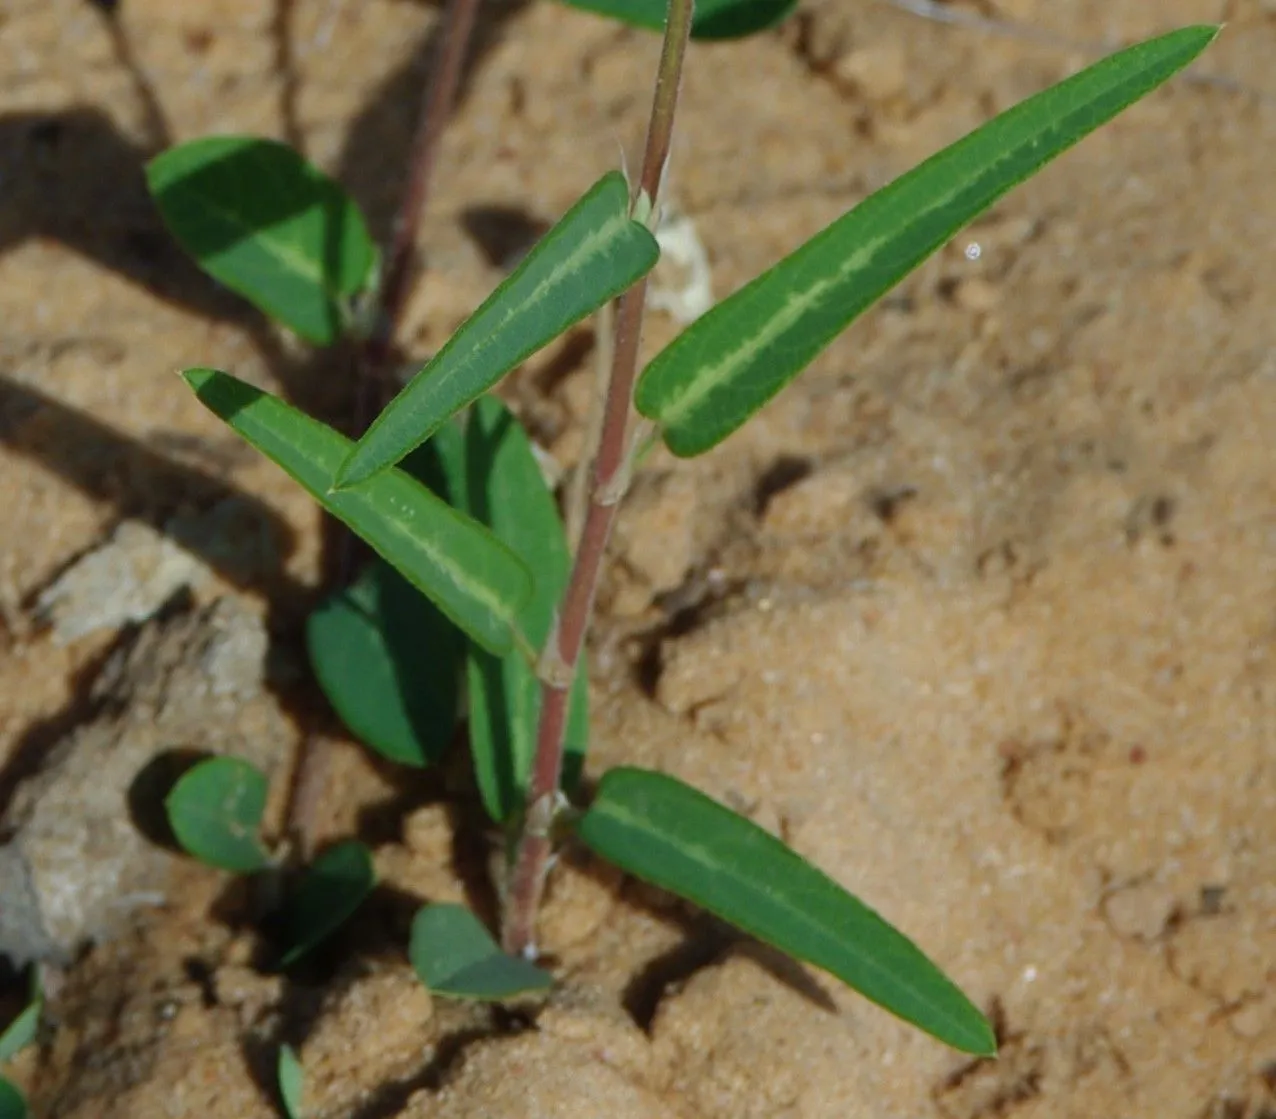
[390,664]
[732,360]
[594,253]
[292,1081]
[22,1031]
[333,887]
[675,837]
[455,562]
[454,955]
[12,1105]
[714,19]
[263,222]
[215,810]
[493,475]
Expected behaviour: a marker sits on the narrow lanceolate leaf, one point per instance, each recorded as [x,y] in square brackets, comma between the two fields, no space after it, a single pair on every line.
[292,1082]
[450,558]
[390,664]
[333,887]
[215,811]
[714,19]
[675,837]
[263,222]
[493,475]
[22,1030]
[454,955]
[594,253]
[730,362]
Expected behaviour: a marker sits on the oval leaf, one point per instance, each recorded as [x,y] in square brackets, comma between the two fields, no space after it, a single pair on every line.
[714,19]
[594,253]
[454,955]
[454,561]
[263,222]
[673,836]
[215,810]
[333,887]
[292,1082]
[390,665]
[12,1104]
[730,362]
[493,475]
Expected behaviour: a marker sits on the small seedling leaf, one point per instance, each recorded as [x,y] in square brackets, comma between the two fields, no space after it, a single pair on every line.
[292,1082]
[12,1105]
[714,19]
[263,222]
[22,1031]
[390,664]
[594,253]
[493,475]
[673,836]
[455,562]
[731,361]
[332,888]
[215,810]
[454,955]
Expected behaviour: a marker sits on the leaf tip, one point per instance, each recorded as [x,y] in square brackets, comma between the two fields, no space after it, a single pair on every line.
[199,378]
[982,1041]
[354,469]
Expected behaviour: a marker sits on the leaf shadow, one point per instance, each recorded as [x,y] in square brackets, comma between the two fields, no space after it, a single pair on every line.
[33,746]
[376,935]
[503,234]
[141,483]
[473,836]
[706,941]
[73,178]
[372,163]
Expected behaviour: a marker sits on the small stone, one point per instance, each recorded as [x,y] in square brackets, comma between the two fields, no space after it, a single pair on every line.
[1140,912]
[79,860]
[234,536]
[1250,1020]
[977,295]
[126,579]
[879,72]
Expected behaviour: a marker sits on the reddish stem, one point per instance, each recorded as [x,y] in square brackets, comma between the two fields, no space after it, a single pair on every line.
[376,351]
[531,862]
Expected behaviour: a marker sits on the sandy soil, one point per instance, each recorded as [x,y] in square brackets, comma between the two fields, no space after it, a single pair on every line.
[980,615]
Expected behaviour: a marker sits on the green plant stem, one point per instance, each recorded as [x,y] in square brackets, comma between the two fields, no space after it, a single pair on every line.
[376,350]
[562,652]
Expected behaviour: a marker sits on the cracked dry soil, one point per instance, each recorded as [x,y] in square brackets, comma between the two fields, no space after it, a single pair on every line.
[980,614]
